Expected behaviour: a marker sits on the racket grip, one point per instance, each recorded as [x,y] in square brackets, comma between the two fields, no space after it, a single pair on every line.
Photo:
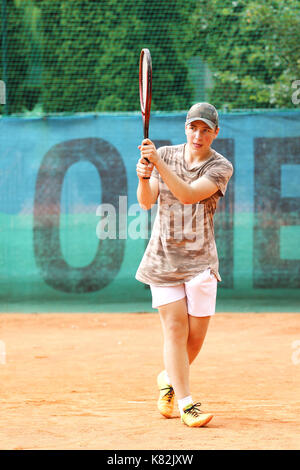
[146,177]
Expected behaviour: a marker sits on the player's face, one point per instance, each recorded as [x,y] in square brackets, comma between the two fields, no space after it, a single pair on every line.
[200,136]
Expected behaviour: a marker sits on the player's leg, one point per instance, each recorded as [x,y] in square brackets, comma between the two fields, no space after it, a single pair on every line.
[201,298]
[201,303]
[180,328]
[166,298]
[175,325]
[175,322]
[197,331]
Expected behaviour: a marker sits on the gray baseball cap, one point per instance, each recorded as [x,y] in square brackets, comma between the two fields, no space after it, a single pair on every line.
[205,112]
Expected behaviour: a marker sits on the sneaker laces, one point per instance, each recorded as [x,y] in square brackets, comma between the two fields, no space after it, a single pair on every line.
[194,410]
[169,394]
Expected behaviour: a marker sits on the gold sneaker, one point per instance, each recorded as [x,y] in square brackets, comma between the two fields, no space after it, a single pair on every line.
[166,399]
[192,416]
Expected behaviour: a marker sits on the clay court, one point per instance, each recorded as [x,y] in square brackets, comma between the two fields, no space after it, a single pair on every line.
[88,381]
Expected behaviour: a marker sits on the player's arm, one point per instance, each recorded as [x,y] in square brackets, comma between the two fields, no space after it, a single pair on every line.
[184,192]
[147,191]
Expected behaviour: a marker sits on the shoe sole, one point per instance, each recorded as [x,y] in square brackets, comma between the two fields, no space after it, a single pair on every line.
[199,424]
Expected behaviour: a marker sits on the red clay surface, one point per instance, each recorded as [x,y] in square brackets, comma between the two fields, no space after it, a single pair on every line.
[88,381]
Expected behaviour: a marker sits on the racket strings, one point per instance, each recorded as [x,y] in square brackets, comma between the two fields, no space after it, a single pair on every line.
[145,80]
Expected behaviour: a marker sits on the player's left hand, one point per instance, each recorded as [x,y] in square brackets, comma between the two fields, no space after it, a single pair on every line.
[148,150]
[144,169]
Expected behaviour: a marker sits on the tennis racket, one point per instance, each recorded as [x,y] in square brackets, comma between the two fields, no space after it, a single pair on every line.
[145,85]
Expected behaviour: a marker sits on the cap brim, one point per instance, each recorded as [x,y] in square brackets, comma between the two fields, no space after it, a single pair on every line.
[211,124]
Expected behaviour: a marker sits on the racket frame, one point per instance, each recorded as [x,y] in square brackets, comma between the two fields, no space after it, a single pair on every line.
[145,104]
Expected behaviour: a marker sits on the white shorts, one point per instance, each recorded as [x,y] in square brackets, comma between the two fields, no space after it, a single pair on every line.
[200,293]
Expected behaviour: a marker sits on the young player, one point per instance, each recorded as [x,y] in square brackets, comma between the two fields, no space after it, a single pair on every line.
[180,262]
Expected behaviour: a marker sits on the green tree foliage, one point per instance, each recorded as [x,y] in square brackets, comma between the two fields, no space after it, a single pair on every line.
[91,55]
[83,55]
[71,51]
[15,57]
[253,49]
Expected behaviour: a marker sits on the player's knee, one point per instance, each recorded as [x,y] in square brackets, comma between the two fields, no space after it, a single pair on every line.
[177,330]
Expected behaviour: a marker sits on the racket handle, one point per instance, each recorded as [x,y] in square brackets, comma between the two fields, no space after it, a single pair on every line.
[146,177]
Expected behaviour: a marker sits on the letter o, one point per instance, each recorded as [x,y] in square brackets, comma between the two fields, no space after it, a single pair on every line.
[107,261]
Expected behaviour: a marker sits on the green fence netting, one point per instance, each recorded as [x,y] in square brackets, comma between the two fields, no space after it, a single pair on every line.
[82,55]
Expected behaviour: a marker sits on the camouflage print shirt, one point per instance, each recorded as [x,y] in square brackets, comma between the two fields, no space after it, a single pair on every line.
[182,242]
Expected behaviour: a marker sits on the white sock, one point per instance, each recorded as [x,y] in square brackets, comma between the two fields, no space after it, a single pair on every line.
[167,378]
[184,402]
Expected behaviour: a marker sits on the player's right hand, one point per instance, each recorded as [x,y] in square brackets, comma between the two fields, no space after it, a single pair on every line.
[144,169]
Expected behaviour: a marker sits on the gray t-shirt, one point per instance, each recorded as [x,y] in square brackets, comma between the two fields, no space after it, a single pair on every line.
[182,242]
